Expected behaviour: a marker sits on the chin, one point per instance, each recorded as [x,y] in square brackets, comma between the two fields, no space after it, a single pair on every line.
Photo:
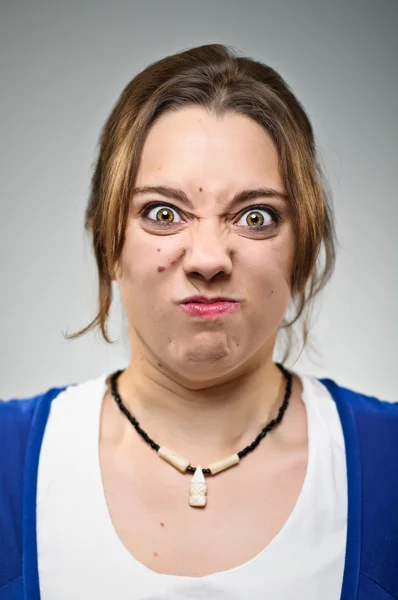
[204,361]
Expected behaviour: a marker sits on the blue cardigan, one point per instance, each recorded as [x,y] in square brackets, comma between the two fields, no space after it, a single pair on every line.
[370,429]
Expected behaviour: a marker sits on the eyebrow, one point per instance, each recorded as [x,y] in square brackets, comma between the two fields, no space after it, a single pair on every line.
[177,194]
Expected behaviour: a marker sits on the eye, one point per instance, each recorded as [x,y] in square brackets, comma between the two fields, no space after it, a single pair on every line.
[160,214]
[260,217]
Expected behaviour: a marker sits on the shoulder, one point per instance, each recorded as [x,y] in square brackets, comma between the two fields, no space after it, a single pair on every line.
[19,412]
[22,413]
[353,408]
[360,403]
[373,421]
[17,418]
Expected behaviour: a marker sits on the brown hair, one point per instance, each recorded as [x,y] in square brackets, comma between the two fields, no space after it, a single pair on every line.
[217,79]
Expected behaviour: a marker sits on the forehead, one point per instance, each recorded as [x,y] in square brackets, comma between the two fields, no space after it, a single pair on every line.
[193,148]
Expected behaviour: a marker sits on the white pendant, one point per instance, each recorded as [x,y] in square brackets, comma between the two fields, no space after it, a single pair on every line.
[198,489]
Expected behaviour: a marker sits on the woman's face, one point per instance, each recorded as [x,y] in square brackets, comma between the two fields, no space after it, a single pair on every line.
[205,245]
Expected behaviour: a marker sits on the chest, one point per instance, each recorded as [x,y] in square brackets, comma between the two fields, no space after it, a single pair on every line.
[246,508]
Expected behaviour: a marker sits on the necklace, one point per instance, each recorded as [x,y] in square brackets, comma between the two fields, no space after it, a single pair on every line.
[198,487]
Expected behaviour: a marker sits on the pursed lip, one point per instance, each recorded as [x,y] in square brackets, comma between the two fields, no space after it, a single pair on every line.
[206,300]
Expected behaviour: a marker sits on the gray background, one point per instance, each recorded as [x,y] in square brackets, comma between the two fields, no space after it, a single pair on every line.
[63,65]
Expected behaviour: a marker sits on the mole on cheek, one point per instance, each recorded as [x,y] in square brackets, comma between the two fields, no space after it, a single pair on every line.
[158,249]
[201,189]
[161,269]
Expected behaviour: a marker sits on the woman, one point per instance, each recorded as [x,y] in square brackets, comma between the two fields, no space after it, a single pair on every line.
[204,469]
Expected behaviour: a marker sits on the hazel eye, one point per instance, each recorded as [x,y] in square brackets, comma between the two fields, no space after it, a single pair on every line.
[160,214]
[258,217]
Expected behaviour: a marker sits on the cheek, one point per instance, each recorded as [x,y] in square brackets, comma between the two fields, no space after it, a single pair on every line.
[270,265]
[137,265]
[144,260]
[268,279]
[282,258]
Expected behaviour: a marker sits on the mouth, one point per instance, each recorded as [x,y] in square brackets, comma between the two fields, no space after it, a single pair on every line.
[206,300]
[199,306]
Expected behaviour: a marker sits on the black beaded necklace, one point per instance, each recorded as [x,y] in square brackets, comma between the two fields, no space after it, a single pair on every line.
[198,489]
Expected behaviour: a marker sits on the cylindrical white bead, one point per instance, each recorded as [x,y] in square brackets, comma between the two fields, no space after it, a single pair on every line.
[223,464]
[177,461]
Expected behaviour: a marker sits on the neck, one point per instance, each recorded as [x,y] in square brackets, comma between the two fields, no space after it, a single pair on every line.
[205,423]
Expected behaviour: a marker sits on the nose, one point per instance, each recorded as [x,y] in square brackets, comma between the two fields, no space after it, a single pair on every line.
[207,253]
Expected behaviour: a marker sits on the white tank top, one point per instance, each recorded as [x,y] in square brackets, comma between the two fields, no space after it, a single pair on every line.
[81,557]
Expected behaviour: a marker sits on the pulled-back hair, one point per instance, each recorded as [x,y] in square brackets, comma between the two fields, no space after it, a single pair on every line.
[215,78]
